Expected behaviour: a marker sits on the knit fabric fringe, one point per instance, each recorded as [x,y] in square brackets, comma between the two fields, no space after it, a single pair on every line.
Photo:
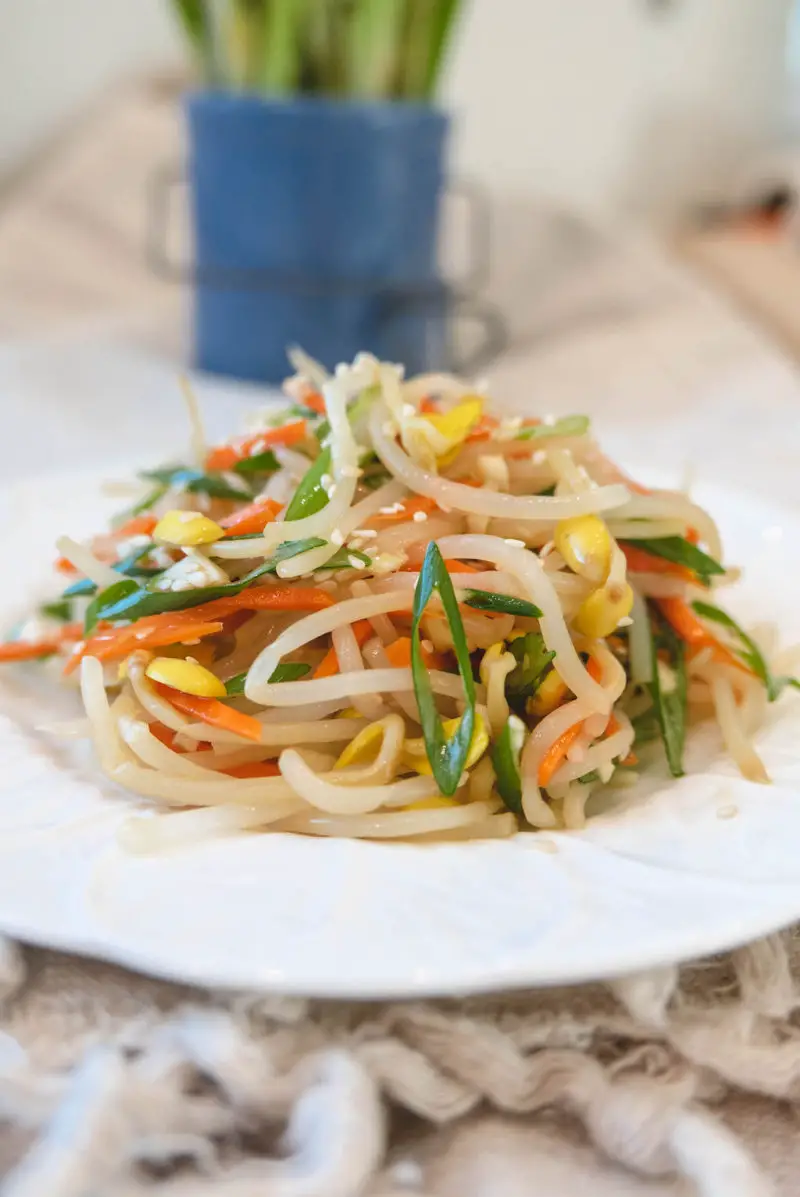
[116,1084]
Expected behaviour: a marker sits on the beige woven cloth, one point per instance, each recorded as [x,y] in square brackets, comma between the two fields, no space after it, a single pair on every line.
[667,1084]
[115,1084]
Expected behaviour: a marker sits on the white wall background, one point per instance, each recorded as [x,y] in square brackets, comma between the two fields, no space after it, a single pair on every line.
[607,104]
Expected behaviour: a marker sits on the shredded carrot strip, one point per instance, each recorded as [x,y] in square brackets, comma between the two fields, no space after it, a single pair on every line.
[329,665]
[29,650]
[640,561]
[110,643]
[399,654]
[254,769]
[194,623]
[630,759]
[64,566]
[225,457]
[428,406]
[168,737]
[560,747]
[483,429]
[213,712]
[694,633]
[140,525]
[410,507]
[252,518]
[314,402]
[252,598]
[557,752]
[452,566]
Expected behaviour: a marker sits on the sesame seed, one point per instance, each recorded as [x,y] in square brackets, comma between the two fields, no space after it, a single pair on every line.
[625,622]
[257,448]
[514,544]
[336,537]
[727,812]
[186,517]
[351,471]
[332,491]
[409,410]
[366,533]
[539,457]
[356,562]
[419,517]
[355,542]
[325,481]
[549,419]
[427,645]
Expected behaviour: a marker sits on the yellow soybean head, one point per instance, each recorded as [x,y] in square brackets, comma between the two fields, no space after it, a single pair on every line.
[599,615]
[550,694]
[186,529]
[493,653]
[585,544]
[186,676]
[456,425]
[363,748]
[436,803]
[414,755]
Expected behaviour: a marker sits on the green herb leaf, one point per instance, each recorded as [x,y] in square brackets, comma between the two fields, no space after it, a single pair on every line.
[533,662]
[59,609]
[568,426]
[127,566]
[447,757]
[682,552]
[589,777]
[140,601]
[260,463]
[310,496]
[645,727]
[749,652]
[505,762]
[194,481]
[341,559]
[668,692]
[289,671]
[117,593]
[506,604]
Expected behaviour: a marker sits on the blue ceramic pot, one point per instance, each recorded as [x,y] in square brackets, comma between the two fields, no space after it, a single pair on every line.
[315,223]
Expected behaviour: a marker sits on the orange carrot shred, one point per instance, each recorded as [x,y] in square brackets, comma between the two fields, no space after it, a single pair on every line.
[399,654]
[168,737]
[110,643]
[410,507]
[213,712]
[329,665]
[557,752]
[314,402]
[694,632]
[225,457]
[139,525]
[252,518]
[642,562]
[30,650]
[254,769]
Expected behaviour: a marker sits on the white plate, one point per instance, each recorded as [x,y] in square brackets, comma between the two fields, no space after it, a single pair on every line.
[664,876]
